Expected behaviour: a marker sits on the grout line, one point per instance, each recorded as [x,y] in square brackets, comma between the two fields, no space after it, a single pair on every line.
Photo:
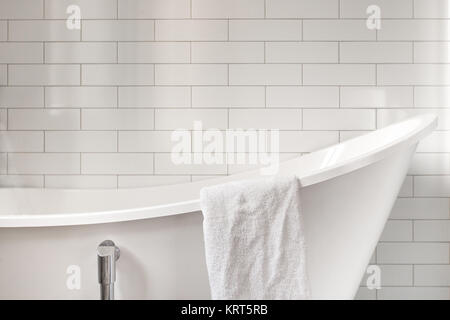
[339,9]
[265,9]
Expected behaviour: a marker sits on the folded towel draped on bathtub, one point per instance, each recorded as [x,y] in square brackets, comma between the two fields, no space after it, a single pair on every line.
[254,241]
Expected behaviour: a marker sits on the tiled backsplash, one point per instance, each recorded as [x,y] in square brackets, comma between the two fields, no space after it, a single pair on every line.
[95,107]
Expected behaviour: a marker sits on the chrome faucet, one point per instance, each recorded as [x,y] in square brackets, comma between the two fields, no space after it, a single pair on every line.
[107,255]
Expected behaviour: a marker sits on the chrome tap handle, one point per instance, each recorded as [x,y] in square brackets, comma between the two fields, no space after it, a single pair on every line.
[107,255]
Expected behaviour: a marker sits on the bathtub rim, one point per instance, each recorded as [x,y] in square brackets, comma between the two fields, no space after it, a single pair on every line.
[426,124]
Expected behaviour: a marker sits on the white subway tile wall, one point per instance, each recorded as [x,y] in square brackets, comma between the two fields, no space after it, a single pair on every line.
[95,107]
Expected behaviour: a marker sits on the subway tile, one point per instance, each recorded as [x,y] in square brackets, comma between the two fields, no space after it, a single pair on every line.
[432,230]
[228,52]
[42,30]
[414,30]
[389,116]
[80,52]
[18,52]
[430,164]
[306,97]
[338,74]
[80,141]
[265,30]
[343,119]
[413,74]
[118,74]
[421,208]
[365,294]
[21,9]
[301,52]
[81,181]
[432,97]
[190,74]
[413,293]
[393,275]
[154,9]
[3,75]
[204,177]
[145,141]
[98,9]
[117,119]
[388,8]
[228,97]
[227,9]
[432,275]
[406,190]
[238,167]
[283,119]
[117,163]
[3,30]
[3,119]
[438,141]
[154,97]
[21,181]
[80,97]
[347,135]
[173,119]
[164,164]
[413,253]
[302,9]
[17,97]
[44,75]
[306,141]
[397,230]
[118,30]
[265,74]
[43,163]
[376,52]
[429,9]
[337,30]
[3,163]
[432,186]
[377,97]
[21,141]
[158,52]
[225,136]
[191,30]
[431,52]
[150,181]
[43,119]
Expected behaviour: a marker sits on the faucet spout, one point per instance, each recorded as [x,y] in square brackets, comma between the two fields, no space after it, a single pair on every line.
[107,255]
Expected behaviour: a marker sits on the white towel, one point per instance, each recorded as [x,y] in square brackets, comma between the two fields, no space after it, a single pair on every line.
[254,242]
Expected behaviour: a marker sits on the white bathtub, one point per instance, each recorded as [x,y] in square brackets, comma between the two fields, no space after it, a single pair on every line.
[348,192]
